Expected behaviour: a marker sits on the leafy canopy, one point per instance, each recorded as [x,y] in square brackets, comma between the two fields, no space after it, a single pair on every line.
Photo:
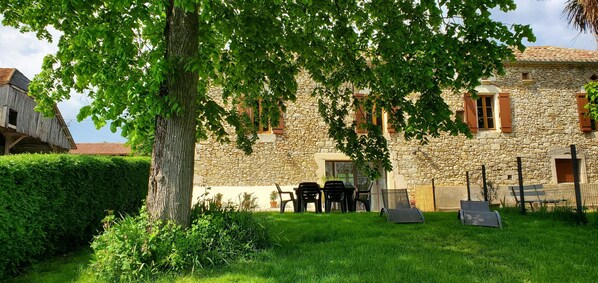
[252,50]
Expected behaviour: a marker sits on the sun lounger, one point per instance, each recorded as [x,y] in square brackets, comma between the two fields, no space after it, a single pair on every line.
[397,208]
[478,213]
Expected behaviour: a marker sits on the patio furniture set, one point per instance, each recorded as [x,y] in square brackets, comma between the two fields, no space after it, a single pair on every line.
[397,208]
[396,205]
[345,195]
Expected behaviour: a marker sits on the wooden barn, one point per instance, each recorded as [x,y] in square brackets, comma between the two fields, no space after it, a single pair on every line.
[21,128]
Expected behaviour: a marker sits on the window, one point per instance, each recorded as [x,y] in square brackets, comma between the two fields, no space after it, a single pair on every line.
[12,118]
[562,165]
[362,116]
[485,107]
[564,170]
[348,173]
[254,112]
[483,113]
[586,124]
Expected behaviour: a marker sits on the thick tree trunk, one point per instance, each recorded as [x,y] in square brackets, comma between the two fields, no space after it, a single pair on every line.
[171,173]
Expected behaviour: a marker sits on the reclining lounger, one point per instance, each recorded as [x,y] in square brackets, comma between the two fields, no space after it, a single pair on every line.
[478,213]
[400,211]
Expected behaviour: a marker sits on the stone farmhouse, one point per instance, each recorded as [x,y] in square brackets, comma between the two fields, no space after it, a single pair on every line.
[535,111]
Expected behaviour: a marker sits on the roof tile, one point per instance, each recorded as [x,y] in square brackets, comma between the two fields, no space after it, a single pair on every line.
[556,54]
[6,75]
[101,149]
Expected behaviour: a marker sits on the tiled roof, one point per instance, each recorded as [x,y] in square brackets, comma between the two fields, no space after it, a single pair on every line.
[6,75]
[101,149]
[551,54]
[14,77]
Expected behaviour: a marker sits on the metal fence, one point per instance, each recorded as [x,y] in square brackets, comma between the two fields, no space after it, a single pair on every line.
[446,198]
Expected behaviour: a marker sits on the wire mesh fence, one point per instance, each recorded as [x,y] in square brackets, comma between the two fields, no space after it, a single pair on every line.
[446,198]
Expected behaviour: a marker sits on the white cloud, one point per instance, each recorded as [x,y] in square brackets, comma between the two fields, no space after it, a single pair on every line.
[23,51]
[26,52]
[548,24]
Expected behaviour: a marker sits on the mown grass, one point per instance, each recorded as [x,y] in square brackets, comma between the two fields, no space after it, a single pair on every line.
[362,247]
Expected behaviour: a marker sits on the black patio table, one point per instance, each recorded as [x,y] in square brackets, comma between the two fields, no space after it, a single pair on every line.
[349,193]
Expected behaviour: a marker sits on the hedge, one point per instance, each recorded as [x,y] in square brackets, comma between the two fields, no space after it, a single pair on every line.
[54,203]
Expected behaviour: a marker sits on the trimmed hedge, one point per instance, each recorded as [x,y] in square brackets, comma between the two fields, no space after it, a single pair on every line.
[53,203]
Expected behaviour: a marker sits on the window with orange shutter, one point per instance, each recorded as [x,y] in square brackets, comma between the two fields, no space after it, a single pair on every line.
[255,111]
[362,115]
[586,124]
[481,114]
[564,170]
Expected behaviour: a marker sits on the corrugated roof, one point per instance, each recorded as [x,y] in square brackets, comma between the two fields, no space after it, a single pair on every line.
[101,149]
[551,54]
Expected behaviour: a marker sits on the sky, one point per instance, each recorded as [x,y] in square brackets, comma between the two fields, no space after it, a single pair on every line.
[25,52]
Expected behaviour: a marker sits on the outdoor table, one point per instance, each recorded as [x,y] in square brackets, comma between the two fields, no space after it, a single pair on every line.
[349,192]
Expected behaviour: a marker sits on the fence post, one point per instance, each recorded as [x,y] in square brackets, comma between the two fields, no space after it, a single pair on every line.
[484,182]
[434,194]
[521,194]
[576,183]
[468,191]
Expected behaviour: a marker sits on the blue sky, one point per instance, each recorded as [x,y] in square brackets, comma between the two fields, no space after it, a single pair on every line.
[25,52]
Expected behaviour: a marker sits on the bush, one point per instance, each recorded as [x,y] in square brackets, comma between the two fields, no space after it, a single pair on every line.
[53,203]
[129,250]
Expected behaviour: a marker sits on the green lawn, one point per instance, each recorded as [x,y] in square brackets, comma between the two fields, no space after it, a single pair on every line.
[362,247]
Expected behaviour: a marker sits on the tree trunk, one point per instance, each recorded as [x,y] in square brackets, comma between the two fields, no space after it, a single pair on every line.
[171,172]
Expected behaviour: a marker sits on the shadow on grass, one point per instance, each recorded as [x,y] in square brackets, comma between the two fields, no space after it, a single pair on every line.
[64,268]
[363,247]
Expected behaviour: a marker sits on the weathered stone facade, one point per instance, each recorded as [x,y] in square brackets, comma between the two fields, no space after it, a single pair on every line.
[545,122]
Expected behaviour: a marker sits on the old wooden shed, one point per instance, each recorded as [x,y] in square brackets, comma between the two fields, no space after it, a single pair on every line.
[21,128]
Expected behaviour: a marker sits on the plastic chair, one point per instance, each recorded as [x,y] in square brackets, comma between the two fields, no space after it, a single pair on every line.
[363,197]
[309,192]
[334,191]
[283,202]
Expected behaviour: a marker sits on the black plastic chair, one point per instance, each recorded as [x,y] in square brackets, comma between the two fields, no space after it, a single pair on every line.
[283,202]
[334,191]
[363,197]
[310,192]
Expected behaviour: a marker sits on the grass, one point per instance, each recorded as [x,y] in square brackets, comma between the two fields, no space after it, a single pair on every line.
[362,247]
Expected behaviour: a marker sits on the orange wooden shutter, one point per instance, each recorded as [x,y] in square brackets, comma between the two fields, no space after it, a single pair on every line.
[360,114]
[279,129]
[470,113]
[389,126]
[585,123]
[504,102]
[245,110]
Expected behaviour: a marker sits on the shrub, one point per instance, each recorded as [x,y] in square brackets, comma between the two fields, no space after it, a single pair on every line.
[53,203]
[129,250]
[247,202]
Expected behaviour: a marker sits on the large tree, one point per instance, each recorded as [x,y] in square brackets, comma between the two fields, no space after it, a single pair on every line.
[148,66]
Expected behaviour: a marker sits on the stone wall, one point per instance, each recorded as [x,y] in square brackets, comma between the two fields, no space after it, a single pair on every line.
[286,159]
[544,119]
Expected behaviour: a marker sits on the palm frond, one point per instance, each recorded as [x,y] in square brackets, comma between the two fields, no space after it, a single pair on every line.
[582,14]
